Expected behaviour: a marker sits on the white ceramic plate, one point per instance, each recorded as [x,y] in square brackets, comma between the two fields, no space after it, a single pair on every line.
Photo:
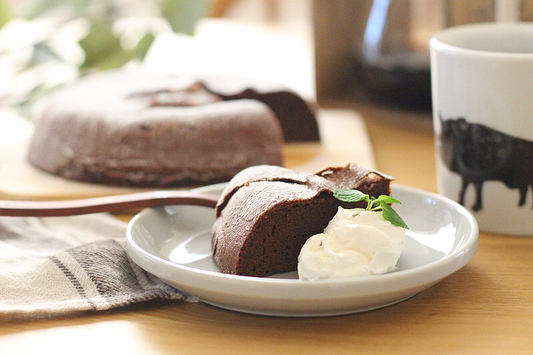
[174,243]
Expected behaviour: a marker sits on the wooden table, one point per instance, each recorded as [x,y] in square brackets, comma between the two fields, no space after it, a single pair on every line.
[486,307]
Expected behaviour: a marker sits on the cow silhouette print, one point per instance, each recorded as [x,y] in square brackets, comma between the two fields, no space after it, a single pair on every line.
[479,153]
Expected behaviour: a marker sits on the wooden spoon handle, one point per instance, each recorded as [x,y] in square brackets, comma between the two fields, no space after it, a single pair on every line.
[116,203]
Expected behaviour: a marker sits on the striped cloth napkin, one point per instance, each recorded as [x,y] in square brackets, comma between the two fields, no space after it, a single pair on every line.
[60,265]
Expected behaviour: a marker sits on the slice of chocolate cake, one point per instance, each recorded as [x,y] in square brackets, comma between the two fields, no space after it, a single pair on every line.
[266,214]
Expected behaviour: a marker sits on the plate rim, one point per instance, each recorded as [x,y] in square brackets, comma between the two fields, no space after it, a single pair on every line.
[471,241]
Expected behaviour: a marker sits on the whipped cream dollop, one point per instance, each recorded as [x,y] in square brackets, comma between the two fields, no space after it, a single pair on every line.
[356,242]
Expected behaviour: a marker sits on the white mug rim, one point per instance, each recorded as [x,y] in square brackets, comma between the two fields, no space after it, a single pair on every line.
[439,40]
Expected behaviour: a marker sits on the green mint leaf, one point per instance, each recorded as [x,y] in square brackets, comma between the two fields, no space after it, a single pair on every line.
[388,199]
[374,204]
[348,195]
[392,216]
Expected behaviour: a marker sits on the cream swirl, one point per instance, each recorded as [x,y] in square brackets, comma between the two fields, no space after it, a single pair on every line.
[356,242]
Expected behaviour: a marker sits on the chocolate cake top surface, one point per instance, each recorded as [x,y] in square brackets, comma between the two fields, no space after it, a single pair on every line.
[256,174]
[329,179]
[123,97]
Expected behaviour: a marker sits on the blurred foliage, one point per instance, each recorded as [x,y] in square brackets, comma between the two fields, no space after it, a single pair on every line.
[4,13]
[101,41]
[39,8]
[103,50]
[183,14]
[101,45]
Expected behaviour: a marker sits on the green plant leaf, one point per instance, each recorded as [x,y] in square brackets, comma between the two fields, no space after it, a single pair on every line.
[5,14]
[348,195]
[143,46]
[103,49]
[100,45]
[392,216]
[182,15]
[388,199]
[373,204]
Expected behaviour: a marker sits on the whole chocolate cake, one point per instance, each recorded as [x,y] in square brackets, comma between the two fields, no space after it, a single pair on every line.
[131,129]
[266,213]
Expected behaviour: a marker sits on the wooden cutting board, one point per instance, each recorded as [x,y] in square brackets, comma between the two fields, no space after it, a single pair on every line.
[343,134]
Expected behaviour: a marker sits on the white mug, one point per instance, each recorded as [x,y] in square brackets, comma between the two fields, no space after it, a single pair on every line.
[482,92]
